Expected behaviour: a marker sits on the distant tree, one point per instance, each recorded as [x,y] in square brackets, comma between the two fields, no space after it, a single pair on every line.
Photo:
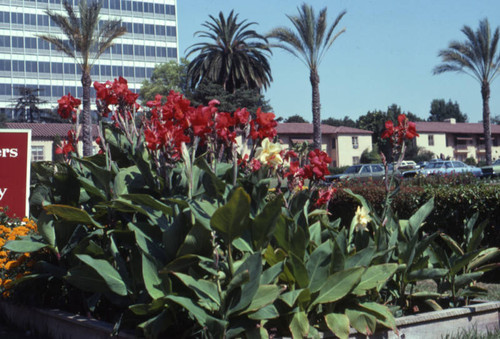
[295,118]
[348,122]
[3,120]
[233,56]
[84,38]
[441,110]
[309,42]
[26,106]
[423,155]
[496,120]
[166,77]
[477,56]
[375,122]
[252,99]
[370,157]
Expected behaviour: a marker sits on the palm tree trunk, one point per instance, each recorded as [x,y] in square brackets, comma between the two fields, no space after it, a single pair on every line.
[87,118]
[485,92]
[316,109]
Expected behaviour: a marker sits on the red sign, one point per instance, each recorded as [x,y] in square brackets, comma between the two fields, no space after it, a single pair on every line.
[15,154]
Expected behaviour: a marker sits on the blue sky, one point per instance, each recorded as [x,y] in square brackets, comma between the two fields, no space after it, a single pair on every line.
[385,56]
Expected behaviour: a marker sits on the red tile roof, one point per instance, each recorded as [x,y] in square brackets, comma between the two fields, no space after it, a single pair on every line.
[45,131]
[306,128]
[456,128]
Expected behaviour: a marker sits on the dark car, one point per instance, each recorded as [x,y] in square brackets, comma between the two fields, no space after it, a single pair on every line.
[493,170]
[361,172]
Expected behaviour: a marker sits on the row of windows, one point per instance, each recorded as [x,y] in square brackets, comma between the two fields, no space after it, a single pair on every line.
[139,6]
[44,20]
[125,5]
[118,49]
[64,68]
[47,90]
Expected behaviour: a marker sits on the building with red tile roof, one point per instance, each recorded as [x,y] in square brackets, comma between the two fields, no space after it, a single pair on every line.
[43,135]
[343,144]
[457,140]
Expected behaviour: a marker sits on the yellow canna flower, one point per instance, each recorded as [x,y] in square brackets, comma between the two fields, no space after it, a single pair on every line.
[269,153]
[362,218]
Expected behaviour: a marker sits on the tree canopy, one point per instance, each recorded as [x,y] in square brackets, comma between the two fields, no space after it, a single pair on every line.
[348,122]
[442,110]
[479,57]
[295,118]
[233,56]
[309,42]
[166,77]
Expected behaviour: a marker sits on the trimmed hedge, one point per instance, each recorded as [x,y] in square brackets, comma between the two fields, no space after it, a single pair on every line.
[456,199]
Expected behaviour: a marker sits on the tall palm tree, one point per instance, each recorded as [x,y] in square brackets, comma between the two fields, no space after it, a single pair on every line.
[234,57]
[309,42]
[477,56]
[85,41]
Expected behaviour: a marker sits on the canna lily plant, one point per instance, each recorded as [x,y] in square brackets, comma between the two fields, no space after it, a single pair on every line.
[197,223]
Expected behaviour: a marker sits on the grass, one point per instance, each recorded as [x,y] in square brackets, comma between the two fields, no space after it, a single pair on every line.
[473,334]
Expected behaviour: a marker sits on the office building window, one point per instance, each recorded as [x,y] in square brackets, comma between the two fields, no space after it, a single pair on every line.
[114,4]
[116,49]
[17,42]
[171,31]
[30,43]
[140,72]
[159,9]
[18,65]
[31,66]
[57,67]
[139,50]
[43,20]
[149,72]
[57,91]
[355,143]
[106,70]
[94,70]
[4,41]
[150,51]
[138,28]
[128,71]
[170,9]
[43,44]
[128,26]
[30,19]
[128,49]
[117,71]
[45,90]
[148,7]
[126,5]
[430,139]
[69,68]
[4,17]
[16,18]
[149,29]
[5,65]
[160,30]
[172,52]
[37,153]
[44,67]
[161,52]
[5,89]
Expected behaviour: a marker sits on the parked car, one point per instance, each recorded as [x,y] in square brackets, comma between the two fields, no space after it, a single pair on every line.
[407,164]
[444,167]
[362,172]
[493,170]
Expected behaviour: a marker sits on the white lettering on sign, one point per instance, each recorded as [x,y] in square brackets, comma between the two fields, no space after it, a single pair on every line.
[2,192]
[8,153]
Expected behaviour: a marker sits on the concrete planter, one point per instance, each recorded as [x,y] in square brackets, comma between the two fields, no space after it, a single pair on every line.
[431,325]
[57,324]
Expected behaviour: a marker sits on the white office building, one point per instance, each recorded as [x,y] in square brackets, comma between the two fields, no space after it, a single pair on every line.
[28,61]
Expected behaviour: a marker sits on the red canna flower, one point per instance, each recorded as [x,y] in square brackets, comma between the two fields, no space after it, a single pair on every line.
[67,105]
